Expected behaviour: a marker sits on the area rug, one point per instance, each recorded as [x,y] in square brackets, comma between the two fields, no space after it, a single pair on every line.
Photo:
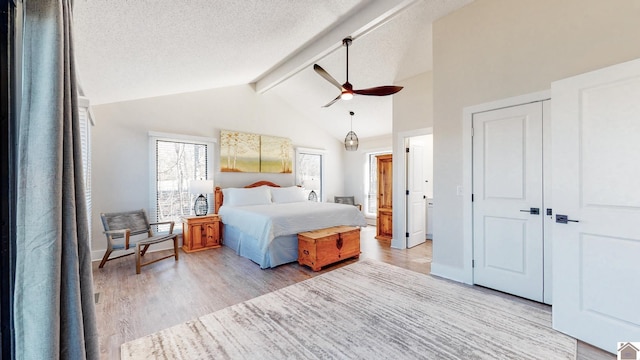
[366,310]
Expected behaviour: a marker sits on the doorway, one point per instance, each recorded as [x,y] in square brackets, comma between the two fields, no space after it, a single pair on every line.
[419,183]
[401,168]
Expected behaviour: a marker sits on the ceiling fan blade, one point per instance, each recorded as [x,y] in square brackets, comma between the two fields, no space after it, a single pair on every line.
[326,75]
[332,101]
[379,91]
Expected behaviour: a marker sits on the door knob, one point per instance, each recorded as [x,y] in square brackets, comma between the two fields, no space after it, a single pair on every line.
[532,211]
[563,219]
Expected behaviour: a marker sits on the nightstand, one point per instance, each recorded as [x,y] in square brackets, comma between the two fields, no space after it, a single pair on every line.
[200,232]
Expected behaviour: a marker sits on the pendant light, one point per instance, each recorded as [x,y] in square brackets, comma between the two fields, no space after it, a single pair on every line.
[351,140]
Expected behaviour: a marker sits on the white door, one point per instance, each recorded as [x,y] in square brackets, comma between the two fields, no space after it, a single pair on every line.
[507,185]
[596,181]
[416,208]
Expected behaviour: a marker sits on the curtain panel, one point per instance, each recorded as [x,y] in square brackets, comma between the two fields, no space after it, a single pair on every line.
[53,300]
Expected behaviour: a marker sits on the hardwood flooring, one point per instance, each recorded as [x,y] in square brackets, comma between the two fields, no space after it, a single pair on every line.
[168,293]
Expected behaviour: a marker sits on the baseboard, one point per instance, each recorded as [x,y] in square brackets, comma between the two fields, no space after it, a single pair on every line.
[450,272]
[96,255]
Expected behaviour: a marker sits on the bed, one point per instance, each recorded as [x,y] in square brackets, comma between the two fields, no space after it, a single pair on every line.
[261,221]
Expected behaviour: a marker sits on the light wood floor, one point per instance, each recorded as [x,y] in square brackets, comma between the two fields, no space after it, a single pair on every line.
[168,293]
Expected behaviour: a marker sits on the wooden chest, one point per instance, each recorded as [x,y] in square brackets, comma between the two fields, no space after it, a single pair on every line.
[322,247]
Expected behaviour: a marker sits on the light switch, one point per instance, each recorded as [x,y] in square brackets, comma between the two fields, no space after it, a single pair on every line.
[459,190]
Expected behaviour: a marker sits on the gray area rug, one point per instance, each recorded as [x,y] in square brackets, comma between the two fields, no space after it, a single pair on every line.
[366,310]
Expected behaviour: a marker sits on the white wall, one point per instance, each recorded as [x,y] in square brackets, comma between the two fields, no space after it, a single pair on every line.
[412,111]
[121,154]
[355,166]
[491,50]
[412,116]
[413,105]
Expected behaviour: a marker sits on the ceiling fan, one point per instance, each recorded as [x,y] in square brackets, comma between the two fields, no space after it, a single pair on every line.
[346,89]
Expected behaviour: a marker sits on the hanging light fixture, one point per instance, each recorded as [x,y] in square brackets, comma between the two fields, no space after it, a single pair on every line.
[351,140]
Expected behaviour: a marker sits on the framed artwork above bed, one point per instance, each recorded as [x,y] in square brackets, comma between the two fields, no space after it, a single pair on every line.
[246,152]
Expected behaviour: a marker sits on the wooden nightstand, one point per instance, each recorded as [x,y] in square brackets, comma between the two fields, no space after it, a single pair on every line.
[200,232]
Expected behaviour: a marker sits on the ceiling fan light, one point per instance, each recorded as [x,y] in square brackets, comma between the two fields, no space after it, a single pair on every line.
[346,96]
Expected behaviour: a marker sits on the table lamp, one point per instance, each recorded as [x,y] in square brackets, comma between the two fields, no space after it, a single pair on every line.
[201,205]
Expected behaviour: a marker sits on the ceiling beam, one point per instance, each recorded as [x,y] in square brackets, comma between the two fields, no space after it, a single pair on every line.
[376,14]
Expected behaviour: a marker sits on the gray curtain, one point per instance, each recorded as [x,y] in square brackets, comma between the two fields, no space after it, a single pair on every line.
[53,301]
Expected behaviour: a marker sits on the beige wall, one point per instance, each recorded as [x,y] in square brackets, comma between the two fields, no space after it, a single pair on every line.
[413,105]
[493,49]
[355,165]
[120,150]
[412,109]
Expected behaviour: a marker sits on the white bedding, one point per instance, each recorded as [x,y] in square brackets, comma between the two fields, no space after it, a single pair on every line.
[266,222]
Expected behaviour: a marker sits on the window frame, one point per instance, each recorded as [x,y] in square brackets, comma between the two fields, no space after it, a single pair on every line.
[319,152]
[87,123]
[189,139]
[368,174]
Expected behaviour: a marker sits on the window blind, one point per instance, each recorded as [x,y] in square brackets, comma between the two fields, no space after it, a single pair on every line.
[85,142]
[177,163]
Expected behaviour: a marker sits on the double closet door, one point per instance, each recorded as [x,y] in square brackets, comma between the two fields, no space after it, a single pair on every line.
[591,230]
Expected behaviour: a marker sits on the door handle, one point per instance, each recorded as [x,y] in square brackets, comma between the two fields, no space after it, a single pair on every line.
[563,219]
[532,211]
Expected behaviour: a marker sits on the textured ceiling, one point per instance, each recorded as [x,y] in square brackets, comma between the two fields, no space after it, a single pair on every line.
[136,49]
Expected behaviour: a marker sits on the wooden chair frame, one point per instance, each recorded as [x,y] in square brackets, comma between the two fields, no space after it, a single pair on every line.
[141,246]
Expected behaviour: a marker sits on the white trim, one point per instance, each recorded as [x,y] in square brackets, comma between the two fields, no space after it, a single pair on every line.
[190,138]
[367,181]
[86,103]
[83,101]
[399,241]
[155,136]
[449,272]
[310,150]
[466,273]
[323,154]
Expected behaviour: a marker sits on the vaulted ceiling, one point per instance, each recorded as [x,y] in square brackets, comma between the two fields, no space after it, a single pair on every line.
[129,50]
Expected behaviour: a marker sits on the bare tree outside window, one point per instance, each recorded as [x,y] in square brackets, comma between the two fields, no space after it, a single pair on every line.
[309,172]
[177,163]
[371,206]
[372,196]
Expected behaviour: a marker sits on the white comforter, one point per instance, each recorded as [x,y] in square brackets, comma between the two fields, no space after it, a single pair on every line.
[266,222]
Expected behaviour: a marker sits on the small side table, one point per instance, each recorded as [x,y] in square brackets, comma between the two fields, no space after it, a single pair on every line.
[200,232]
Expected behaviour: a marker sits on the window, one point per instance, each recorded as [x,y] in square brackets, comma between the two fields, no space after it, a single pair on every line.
[176,161]
[309,171]
[371,206]
[86,122]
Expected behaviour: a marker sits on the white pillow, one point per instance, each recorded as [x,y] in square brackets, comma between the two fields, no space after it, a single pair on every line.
[287,195]
[251,196]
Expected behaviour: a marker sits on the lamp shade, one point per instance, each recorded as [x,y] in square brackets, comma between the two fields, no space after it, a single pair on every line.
[351,140]
[201,186]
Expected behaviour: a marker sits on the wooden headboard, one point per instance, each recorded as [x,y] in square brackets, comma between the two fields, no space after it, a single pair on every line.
[218,193]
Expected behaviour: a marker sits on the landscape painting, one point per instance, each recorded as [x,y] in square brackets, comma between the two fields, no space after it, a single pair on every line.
[276,155]
[239,152]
